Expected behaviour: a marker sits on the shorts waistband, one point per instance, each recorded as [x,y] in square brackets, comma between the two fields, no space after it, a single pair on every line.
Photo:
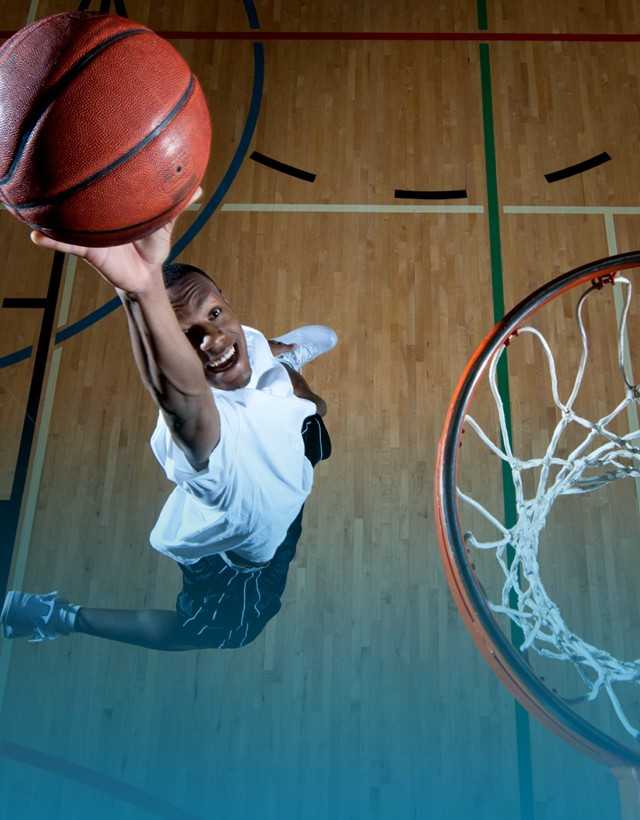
[234,560]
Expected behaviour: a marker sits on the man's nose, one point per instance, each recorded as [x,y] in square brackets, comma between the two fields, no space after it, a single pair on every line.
[214,340]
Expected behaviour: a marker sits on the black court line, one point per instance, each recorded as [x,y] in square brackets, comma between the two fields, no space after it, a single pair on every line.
[401,193]
[282,167]
[10,509]
[18,302]
[572,170]
[105,7]
[116,789]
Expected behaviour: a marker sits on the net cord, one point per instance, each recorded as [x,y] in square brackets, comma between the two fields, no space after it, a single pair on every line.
[539,618]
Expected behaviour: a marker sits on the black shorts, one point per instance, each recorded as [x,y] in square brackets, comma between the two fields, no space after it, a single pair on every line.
[226,607]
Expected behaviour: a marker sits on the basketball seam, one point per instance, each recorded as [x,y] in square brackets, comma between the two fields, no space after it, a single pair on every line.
[184,99]
[55,91]
[105,231]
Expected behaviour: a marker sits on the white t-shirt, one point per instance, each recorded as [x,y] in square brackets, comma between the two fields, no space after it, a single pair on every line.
[257,478]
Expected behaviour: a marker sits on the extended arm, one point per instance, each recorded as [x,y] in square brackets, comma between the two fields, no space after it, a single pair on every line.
[169,367]
[172,372]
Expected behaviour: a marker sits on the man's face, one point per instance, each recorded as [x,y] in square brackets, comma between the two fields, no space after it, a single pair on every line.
[213,330]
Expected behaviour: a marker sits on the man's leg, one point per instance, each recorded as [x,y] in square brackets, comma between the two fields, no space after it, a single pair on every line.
[304,344]
[299,347]
[152,628]
[45,617]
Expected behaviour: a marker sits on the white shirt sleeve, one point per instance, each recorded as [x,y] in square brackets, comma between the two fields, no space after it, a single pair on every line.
[208,484]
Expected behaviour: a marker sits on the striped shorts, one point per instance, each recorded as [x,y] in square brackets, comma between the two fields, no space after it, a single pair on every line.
[226,607]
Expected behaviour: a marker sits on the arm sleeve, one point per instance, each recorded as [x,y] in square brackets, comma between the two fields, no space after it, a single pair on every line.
[209,484]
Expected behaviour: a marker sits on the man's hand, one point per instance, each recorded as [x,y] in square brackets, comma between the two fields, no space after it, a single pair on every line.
[134,267]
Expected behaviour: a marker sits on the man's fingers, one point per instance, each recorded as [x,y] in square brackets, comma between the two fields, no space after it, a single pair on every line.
[170,225]
[46,242]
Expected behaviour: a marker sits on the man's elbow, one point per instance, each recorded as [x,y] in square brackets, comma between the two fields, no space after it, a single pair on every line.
[196,430]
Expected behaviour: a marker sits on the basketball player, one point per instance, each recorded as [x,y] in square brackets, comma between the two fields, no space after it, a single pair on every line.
[238,431]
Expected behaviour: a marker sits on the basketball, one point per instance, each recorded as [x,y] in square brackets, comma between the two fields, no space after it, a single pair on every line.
[105,129]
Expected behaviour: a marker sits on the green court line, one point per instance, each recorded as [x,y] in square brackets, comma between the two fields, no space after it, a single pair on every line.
[483,21]
[523,729]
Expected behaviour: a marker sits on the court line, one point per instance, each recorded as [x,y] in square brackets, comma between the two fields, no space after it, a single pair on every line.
[342,208]
[578,167]
[20,550]
[437,36]
[404,193]
[31,16]
[349,208]
[632,409]
[67,291]
[125,792]
[483,17]
[420,36]
[24,302]
[33,10]
[572,209]
[424,36]
[30,501]
[10,510]
[235,164]
[522,719]
[252,14]
[283,167]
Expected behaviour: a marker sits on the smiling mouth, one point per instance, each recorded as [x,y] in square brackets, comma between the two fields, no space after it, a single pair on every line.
[225,361]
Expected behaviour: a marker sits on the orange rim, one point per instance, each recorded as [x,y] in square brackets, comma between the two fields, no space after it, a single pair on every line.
[506,660]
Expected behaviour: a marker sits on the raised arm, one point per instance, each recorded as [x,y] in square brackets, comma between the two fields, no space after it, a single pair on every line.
[168,365]
[171,372]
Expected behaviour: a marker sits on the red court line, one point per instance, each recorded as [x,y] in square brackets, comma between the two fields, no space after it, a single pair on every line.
[453,36]
[465,36]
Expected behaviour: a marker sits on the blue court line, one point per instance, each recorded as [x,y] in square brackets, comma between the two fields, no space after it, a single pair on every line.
[241,151]
[14,358]
[252,14]
[209,208]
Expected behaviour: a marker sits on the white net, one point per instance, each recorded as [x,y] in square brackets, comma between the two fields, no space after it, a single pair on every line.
[600,457]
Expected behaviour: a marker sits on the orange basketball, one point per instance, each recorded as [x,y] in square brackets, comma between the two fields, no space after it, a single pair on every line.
[104,130]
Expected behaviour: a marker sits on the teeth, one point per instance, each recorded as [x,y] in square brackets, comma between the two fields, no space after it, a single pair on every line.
[223,357]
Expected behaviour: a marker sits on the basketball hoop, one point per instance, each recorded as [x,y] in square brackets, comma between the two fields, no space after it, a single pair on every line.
[601,457]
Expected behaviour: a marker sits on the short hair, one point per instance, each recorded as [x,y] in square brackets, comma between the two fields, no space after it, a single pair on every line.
[174,272]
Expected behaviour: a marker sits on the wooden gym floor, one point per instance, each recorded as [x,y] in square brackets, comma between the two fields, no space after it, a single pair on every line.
[365,697]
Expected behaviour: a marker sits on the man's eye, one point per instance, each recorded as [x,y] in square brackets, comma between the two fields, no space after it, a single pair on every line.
[215,313]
